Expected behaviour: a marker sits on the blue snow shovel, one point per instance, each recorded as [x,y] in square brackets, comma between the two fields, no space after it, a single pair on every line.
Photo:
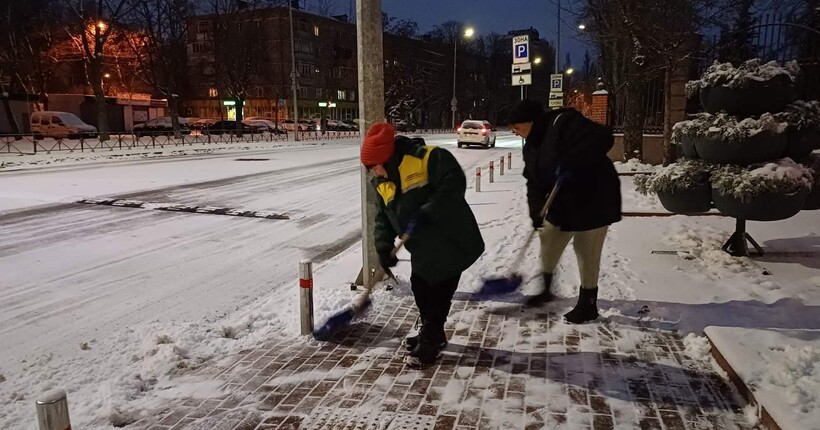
[342,318]
[508,284]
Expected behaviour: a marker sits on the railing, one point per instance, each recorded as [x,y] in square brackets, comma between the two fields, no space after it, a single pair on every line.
[28,144]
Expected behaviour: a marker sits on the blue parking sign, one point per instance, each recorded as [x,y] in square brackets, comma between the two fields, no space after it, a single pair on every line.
[521,51]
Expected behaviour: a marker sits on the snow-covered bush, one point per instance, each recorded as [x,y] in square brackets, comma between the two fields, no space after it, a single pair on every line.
[813,164]
[725,74]
[802,114]
[683,175]
[726,127]
[781,177]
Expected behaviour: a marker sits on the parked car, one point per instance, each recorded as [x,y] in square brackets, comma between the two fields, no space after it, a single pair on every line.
[60,125]
[404,126]
[304,125]
[230,127]
[264,125]
[202,124]
[160,126]
[354,126]
[476,132]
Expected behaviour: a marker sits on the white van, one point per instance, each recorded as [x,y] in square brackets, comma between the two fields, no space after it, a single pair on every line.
[60,125]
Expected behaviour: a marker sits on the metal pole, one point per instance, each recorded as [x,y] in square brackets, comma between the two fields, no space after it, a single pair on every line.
[509,160]
[306,296]
[293,75]
[558,44]
[371,110]
[501,165]
[453,100]
[492,171]
[52,411]
[478,179]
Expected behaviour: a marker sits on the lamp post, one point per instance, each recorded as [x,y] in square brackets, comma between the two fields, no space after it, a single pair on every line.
[468,33]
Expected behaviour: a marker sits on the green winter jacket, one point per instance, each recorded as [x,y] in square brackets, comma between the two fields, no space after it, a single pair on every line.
[429,180]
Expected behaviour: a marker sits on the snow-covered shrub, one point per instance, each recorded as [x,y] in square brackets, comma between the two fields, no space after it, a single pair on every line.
[802,114]
[725,74]
[781,177]
[813,164]
[726,127]
[683,175]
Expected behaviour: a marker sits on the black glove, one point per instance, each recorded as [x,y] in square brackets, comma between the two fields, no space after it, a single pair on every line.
[537,220]
[386,260]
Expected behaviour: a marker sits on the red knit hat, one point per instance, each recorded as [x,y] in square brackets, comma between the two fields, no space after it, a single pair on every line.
[378,144]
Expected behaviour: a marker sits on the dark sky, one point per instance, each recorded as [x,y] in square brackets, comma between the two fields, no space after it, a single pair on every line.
[499,16]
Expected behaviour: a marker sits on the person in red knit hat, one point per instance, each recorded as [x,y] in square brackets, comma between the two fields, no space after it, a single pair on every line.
[421,194]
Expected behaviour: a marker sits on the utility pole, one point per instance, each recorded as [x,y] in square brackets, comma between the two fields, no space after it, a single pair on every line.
[371,110]
[558,40]
[293,75]
[453,101]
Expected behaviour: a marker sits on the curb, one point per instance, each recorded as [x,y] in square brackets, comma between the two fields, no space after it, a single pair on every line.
[765,418]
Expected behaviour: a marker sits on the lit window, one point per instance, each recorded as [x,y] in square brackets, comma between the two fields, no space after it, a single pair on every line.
[316,30]
[340,94]
[212,92]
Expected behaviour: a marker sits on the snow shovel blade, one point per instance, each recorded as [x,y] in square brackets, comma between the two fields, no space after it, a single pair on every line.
[338,321]
[499,286]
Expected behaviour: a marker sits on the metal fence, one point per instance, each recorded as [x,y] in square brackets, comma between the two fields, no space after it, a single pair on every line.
[28,144]
[652,108]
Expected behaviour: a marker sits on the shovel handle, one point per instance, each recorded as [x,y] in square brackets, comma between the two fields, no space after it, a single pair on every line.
[543,213]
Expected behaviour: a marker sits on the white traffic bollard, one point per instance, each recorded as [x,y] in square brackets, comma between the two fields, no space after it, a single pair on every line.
[52,411]
[501,165]
[509,160]
[306,295]
[492,172]
[478,179]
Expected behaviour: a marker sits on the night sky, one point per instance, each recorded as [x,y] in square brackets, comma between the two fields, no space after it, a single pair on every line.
[497,16]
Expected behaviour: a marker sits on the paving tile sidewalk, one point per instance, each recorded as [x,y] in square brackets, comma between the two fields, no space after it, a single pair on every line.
[499,371]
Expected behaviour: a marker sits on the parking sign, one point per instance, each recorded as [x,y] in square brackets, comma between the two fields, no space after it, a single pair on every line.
[521,49]
[557,83]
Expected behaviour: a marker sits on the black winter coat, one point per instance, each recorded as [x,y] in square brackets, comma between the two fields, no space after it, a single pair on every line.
[591,196]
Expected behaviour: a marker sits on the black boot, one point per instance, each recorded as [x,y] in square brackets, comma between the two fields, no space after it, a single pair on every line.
[544,296]
[586,309]
[410,342]
[431,342]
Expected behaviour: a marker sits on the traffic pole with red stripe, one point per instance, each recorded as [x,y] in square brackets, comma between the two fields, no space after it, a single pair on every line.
[306,296]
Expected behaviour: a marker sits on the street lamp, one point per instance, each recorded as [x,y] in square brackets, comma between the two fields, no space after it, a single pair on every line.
[102,26]
[537,60]
[582,27]
[570,71]
[468,33]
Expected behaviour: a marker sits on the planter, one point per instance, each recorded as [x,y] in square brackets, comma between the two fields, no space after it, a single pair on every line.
[687,144]
[813,200]
[802,142]
[694,200]
[765,207]
[759,148]
[753,100]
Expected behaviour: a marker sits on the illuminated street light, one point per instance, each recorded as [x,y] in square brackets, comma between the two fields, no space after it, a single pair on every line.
[102,25]
[107,75]
[570,71]
[582,27]
[537,60]
[469,31]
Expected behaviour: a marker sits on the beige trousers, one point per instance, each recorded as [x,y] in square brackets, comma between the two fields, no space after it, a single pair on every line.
[588,247]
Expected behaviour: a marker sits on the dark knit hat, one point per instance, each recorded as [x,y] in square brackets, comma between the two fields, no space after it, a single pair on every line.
[526,110]
[378,144]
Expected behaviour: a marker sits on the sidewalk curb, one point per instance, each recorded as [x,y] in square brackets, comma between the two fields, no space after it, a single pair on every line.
[765,418]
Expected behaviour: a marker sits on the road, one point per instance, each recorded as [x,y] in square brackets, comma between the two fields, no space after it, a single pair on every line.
[70,272]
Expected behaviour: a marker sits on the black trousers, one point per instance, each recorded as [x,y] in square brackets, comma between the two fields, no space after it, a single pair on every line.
[433,299]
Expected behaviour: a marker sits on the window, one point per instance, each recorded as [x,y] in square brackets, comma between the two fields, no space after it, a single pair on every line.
[303,92]
[46,120]
[208,70]
[56,121]
[319,93]
[212,92]
[340,94]
[316,30]
[303,47]
[203,27]
[351,95]
[305,69]
[337,72]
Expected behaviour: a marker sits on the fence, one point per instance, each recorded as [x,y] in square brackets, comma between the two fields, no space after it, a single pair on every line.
[652,108]
[29,144]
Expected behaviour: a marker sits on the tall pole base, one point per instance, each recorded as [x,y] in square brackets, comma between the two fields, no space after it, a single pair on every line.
[737,245]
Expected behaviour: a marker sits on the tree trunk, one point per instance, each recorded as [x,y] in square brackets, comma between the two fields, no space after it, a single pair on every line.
[173,107]
[240,105]
[669,154]
[99,98]
[633,121]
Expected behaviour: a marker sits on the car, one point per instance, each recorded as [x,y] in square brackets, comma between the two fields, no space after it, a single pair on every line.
[229,127]
[202,124]
[304,125]
[476,132]
[352,124]
[265,125]
[60,125]
[404,126]
[160,126]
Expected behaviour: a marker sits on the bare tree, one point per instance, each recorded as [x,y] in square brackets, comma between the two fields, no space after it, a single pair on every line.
[161,49]
[324,7]
[93,25]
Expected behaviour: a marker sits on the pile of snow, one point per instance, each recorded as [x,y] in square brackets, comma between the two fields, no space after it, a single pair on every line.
[726,127]
[634,165]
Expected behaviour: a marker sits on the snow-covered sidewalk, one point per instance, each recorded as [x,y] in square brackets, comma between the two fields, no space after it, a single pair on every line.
[645,365]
